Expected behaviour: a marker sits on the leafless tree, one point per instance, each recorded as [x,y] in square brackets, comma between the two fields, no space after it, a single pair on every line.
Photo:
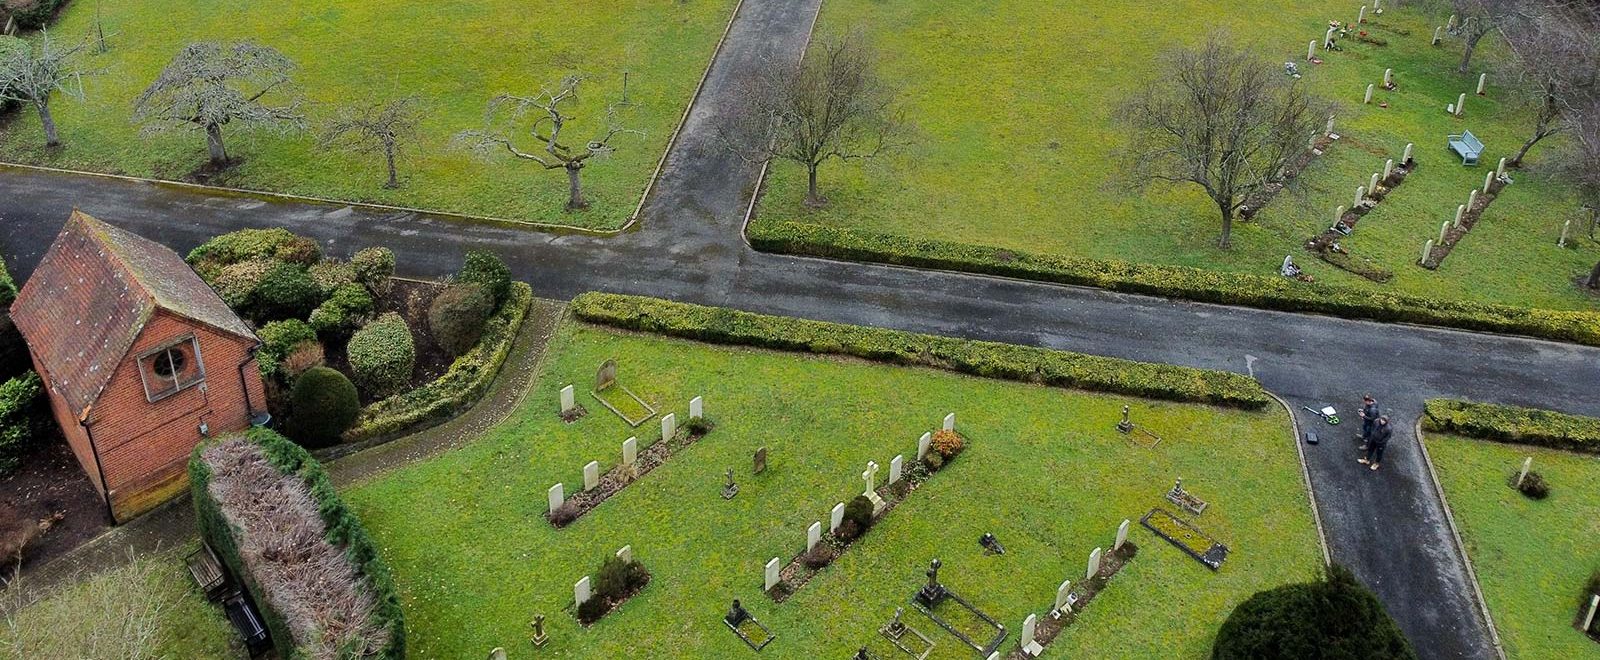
[380,128]
[210,85]
[832,105]
[32,75]
[1480,18]
[550,112]
[1220,118]
[1556,56]
[1578,161]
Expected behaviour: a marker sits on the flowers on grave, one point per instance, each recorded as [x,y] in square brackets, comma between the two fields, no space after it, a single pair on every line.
[948,443]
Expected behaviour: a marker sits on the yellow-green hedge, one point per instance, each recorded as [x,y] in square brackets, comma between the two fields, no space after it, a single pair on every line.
[1528,426]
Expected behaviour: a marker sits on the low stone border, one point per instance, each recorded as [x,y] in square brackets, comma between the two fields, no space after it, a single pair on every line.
[1050,626]
[619,477]
[1461,547]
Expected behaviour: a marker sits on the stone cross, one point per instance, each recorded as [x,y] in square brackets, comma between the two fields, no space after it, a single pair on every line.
[1122,536]
[1461,104]
[1436,35]
[1361,194]
[895,466]
[1368,98]
[669,426]
[1311,49]
[870,475]
[1388,168]
[1094,564]
[922,445]
[813,535]
[625,553]
[697,408]
[836,517]
[1527,464]
[771,577]
[556,496]
[1588,620]
[1028,627]
[1406,159]
[568,400]
[630,451]
[950,422]
[1460,210]
[1442,229]
[539,637]
[758,463]
[1483,80]
[1338,214]
[1427,249]
[581,591]
[591,475]
[1063,593]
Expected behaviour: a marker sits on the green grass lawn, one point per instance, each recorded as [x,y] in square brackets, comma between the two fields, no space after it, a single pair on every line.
[1045,471]
[1532,557]
[1017,150]
[456,56]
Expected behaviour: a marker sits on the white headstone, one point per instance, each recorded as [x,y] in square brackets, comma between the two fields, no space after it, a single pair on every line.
[1122,536]
[813,535]
[591,475]
[1311,49]
[497,653]
[1472,199]
[625,553]
[922,445]
[1460,211]
[1483,80]
[630,451]
[1588,620]
[1488,180]
[1327,39]
[1452,24]
[1062,594]
[1368,98]
[1436,35]
[771,578]
[1388,168]
[1566,227]
[1407,157]
[1461,104]
[1442,229]
[836,518]
[568,401]
[1427,249]
[1372,182]
[697,408]
[1338,214]
[557,496]
[1361,16]
[1450,108]
[581,591]
[1527,464]
[1028,627]
[993,656]
[1361,194]
[895,465]
[1388,77]
[669,426]
[1094,564]
[950,422]
[1500,169]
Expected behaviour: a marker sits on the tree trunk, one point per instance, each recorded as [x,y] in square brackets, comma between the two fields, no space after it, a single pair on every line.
[1227,226]
[1466,53]
[575,189]
[1516,161]
[812,198]
[388,155]
[51,139]
[1594,277]
[219,154]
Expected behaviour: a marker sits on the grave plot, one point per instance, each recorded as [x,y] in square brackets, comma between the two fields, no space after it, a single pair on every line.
[1044,471]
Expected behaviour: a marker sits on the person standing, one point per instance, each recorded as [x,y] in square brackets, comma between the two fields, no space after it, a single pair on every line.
[1369,418]
[1376,442]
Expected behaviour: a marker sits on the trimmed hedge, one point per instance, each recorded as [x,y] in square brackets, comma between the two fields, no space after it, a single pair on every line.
[8,286]
[1527,426]
[989,359]
[344,311]
[1335,617]
[37,15]
[322,405]
[1198,284]
[466,381]
[236,246]
[481,267]
[382,355]
[343,529]
[21,410]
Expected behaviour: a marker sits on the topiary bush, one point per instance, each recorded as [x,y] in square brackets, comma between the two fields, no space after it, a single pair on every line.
[485,268]
[1533,485]
[322,405]
[947,443]
[330,274]
[237,283]
[236,246]
[350,306]
[21,409]
[278,339]
[285,292]
[382,355]
[1334,617]
[859,510]
[299,250]
[456,316]
[373,267]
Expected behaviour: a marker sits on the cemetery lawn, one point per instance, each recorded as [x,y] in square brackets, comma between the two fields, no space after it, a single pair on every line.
[1045,471]
[454,56]
[1532,557]
[1017,150]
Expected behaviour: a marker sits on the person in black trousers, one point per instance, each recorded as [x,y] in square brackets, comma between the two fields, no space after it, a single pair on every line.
[1369,418]
[1376,442]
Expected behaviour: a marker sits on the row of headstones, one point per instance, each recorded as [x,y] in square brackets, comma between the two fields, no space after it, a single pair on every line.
[1489,178]
[1449,27]
[584,590]
[836,516]
[1064,599]
[1372,184]
[557,496]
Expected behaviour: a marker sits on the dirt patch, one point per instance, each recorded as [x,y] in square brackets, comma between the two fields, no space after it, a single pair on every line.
[49,486]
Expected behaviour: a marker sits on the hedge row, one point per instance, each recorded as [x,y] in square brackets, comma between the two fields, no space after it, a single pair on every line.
[8,286]
[35,16]
[343,529]
[1175,282]
[466,381]
[993,360]
[1527,426]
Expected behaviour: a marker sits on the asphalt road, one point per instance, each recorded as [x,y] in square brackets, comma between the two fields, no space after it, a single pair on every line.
[1388,526]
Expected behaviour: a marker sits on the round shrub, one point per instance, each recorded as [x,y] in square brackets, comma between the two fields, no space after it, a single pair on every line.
[373,267]
[859,510]
[237,283]
[241,245]
[591,610]
[279,338]
[382,355]
[947,443]
[1533,485]
[286,291]
[330,275]
[617,578]
[848,531]
[457,315]
[344,311]
[485,268]
[934,461]
[322,405]
[298,250]
[1334,617]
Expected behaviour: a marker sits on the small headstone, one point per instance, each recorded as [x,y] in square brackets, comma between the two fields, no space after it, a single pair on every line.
[1388,77]
[1063,592]
[606,376]
[759,462]
[1500,170]
[1527,464]
[1483,81]
[729,489]
[1472,199]
[630,451]
[922,445]
[1361,194]
[1450,108]
[1451,25]
[1427,249]
[1461,104]
[1460,211]
[1094,564]
[1372,182]
[993,656]
[581,591]
[591,475]
[1329,129]
[1311,49]
[836,518]
[1327,42]
[697,408]
[1566,227]
[950,422]
[1406,159]
[1488,180]
[1361,16]
[568,399]
[539,636]
[1368,98]
[556,497]
[1126,425]
[1029,625]
[813,535]
[1588,619]
[1436,35]
[1338,215]
[991,544]
[771,577]
[669,426]
[497,653]
[1122,536]
[895,466]
[1388,168]
[625,553]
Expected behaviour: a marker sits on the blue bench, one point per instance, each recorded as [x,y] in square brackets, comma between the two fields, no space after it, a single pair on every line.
[1468,146]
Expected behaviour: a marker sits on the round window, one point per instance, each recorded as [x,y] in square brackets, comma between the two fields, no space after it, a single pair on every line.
[169,362]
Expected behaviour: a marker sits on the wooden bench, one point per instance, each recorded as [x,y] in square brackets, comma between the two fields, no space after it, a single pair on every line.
[1468,146]
[207,573]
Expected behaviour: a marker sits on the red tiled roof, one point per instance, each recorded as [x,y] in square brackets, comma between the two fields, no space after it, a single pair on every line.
[92,294]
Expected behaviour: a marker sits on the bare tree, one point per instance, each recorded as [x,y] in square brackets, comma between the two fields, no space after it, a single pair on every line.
[832,105]
[1480,18]
[550,112]
[380,128]
[1578,161]
[32,76]
[1221,119]
[211,85]
[1557,61]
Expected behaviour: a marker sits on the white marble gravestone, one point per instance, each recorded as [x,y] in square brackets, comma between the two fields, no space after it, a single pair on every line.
[591,475]
[625,553]
[669,426]
[630,451]
[950,422]
[556,497]
[896,464]
[1094,564]
[836,518]
[813,535]
[568,400]
[1063,595]
[1122,536]
[922,445]
[581,591]
[771,577]
[697,408]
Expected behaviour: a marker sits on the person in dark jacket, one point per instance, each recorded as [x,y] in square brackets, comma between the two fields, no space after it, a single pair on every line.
[1377,442]
[1369,418]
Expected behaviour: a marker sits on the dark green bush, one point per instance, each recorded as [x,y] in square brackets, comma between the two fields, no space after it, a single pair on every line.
[988,359]
[37,15]
[1528,426]
[848,531]
[617,579]
[322,405]
[285,292]
[21,409]
[343,312]
[278,339]
[1268,292]
[373,267]
[591,610]
[456,316]
[1533,485]
[382,355]
[859,511]
[8,286]
[1334,617]
[236,246]
[485,268]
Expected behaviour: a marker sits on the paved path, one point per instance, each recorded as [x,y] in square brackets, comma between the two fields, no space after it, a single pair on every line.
[1387,526]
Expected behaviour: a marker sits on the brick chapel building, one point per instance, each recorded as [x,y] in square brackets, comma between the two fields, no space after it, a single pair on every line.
[140,359]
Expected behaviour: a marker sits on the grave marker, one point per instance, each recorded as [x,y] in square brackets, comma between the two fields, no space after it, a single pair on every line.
[1436,35]
[1427,249]
[1500,170]
[1327,39]
[1388,168]
[669,426]
[1094,564]
[1063,596]
[630,451]
[1361,194]
[1338,215]
[895,466]
[922,445]
[1565,228]
[870,475]
[1451,25]
[1372,182]
[836,517]
[625,553]
[1368,98]
[1388,77]
[1588,620]
[1361,16]
[606,376]
[497,653]
[591,475]
[1488,180]
[1527,464]
[581,591]
[1472,199]
[1460,210]
[1029,625]
[1461,104]
[556,497]
[759,462]
[950,422]
[1442,229]
[568,399]
[1406,159]
[771,577]
[813,535]
[1311,49]
[1483,80]
[1122,536]
[697,408]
